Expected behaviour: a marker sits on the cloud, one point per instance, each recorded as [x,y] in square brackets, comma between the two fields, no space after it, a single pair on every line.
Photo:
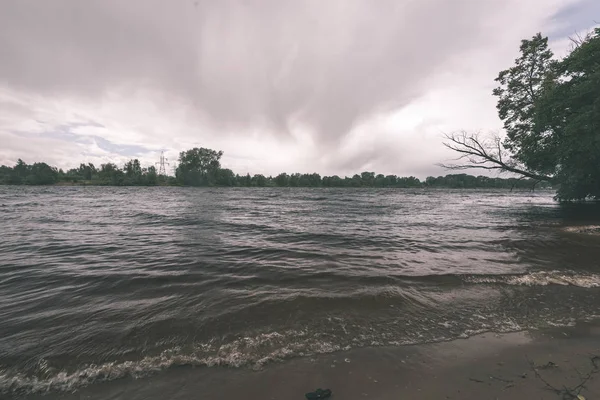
[278,84]
[270,64]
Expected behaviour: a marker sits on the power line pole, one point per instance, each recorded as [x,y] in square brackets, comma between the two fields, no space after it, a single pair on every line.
[163,161]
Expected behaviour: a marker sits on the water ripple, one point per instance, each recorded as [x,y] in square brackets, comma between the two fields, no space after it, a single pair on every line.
[98,283]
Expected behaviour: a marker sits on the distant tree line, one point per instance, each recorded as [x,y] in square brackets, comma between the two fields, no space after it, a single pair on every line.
[132,174]
[202,167]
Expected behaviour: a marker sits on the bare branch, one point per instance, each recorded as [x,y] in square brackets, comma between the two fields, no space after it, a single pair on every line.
[578,39]
[482,153]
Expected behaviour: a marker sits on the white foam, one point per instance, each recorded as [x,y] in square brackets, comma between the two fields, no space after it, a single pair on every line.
[585,229]
[244,351]
[249,351]
[541,278]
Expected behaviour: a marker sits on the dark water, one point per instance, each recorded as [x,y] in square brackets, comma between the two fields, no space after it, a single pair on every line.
[103,283]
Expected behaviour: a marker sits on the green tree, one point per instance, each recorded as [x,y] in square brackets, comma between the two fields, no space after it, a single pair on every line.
[569,114]
[295,180]
[367,179]
[225,177]
[551,115]
[282,180]
[520,89]
[149,176]
[87,171]
[314,179]
[133,172]
[245,180]
[259,180]
[5,175]
[42,174]
[20,172]
[355,181]
[110,174]
[198,166]
[333,181]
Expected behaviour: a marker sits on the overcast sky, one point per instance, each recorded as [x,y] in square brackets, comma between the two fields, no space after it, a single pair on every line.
[335,87]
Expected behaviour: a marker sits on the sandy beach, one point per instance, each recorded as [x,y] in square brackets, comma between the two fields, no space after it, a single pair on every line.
[486,366]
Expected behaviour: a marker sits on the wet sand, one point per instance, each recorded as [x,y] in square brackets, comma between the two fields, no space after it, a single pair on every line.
[486,366]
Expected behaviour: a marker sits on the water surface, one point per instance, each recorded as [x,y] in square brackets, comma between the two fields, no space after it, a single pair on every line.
[100,283]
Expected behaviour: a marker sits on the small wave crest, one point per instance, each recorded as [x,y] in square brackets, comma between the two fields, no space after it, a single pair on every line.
[238,353]
[253,352]
[584,229]
[540,278]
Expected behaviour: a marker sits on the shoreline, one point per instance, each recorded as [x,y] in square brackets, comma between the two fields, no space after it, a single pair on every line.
[484,366]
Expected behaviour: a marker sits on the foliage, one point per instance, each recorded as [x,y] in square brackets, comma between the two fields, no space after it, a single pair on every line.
[464,181]
[202,169]
[24,174]
[551,114]
[198,167]
[520,88]
[570,111]
[108,174]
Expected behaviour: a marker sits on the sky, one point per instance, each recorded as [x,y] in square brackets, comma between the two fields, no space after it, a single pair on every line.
[334,87]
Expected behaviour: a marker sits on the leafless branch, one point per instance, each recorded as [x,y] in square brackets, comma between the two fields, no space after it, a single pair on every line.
[484,153]
[578,39]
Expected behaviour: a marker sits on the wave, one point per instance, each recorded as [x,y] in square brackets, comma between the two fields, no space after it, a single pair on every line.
[584,229]
[540,278]
[242,352]
[238,353]
[230,355]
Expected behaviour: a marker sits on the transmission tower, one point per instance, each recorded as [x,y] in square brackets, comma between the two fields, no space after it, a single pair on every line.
[163,161]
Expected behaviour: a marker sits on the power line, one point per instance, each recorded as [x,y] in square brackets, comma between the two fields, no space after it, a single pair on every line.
[163,161]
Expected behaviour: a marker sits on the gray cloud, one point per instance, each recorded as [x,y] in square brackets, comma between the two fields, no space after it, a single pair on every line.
[324,65]
[256,69]
[576,18]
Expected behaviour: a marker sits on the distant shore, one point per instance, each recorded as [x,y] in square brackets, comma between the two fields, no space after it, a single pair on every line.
[207,172]
[100,184]
[520,365]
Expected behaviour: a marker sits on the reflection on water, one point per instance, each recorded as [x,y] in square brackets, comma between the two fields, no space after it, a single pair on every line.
[99,283]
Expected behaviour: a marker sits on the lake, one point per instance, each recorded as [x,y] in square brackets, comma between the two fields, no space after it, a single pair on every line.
[102,283]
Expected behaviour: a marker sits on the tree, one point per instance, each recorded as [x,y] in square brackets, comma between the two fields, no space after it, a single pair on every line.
[282,180]
[520,89]
[133,172]
[259,180]
[5,175]
[314,179]
[570,111]
[225,177]
[150,176]
[367,178]
[42,174]
[551,115]
[87,171]
[245,181]
[110,174]
[355,181]
[295,180]
[198,166]
[20,172]
[332,181]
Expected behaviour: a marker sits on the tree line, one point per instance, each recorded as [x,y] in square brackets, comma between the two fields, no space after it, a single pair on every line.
[202,167]
[132,174]
[551,113]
